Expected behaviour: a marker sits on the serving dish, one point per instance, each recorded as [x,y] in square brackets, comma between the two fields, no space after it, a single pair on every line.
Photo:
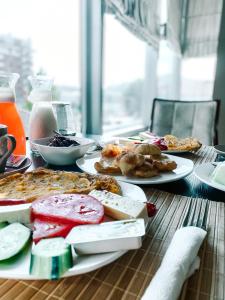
[19,269]
[62,156]
[204,173]
[184,168]
[175,151]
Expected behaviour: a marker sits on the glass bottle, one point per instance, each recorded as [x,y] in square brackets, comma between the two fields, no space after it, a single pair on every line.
[9,114]
[42,120]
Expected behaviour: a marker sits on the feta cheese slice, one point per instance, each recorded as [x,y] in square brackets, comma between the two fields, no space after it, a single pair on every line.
[119,207]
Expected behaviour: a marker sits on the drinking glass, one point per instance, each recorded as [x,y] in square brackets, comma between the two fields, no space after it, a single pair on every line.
[64,118]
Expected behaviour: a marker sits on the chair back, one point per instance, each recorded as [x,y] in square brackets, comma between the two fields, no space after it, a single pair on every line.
[186,118]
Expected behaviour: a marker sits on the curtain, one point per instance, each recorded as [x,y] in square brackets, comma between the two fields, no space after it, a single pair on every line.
[141,17]
[173,25]
[202,27]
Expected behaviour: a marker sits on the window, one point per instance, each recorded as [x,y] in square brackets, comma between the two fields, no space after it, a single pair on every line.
[42,37]
[124,76]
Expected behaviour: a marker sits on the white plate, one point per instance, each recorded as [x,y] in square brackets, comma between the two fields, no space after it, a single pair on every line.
[20,268]
[175,151]
[220,149]
[184,168]
[204,172]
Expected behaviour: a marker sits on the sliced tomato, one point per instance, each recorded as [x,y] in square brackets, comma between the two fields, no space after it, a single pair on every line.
[42,229]
[68,209]
[12,202]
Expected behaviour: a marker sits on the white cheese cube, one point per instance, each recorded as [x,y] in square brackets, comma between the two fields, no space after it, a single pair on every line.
[121,208]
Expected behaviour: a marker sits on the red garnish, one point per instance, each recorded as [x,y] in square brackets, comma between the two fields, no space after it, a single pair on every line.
[4,202]
[151,208]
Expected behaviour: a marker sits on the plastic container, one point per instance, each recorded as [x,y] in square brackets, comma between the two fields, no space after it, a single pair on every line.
[9,114]
[107,237]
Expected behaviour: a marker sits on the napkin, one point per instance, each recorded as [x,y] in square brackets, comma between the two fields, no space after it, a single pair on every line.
[179,262]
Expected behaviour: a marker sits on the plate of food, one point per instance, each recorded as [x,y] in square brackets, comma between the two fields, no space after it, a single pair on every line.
[57,224]
[136,163]
[181,145]
[213,174]
[168,144]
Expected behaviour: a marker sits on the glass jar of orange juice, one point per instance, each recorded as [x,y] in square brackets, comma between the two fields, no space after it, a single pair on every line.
[9,114]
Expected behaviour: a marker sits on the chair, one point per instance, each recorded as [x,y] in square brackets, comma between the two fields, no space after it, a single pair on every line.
[186,118]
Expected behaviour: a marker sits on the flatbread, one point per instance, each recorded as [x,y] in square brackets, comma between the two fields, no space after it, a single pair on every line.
[40,182]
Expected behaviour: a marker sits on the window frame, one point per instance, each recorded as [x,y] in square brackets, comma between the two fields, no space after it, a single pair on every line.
[92,34]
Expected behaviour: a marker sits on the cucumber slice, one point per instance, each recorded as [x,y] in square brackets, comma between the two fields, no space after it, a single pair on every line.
[13,238]
[50,258]
[3,224]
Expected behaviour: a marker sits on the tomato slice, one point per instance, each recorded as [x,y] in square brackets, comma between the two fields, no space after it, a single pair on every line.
[12,202]
[68,209]
[42,229]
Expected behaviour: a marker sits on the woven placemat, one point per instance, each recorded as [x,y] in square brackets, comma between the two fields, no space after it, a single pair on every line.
[203,155]
[128,277]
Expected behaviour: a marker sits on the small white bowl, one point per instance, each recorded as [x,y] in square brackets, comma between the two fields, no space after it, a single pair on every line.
[62,156]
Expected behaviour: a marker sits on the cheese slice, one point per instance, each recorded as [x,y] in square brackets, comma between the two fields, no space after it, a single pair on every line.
[121,208]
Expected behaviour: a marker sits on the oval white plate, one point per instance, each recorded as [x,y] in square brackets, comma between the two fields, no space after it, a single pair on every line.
[175,151]
[184,168]
[204,172]
[82,264]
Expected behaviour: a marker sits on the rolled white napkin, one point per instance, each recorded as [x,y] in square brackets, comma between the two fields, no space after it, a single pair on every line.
[179,262]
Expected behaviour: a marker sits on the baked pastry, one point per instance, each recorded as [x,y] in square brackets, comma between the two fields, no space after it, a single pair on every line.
[111,151]
[161,163]
[186,144]
[41,182]
[107,166]
[129,161]
[147,149]
[147,170]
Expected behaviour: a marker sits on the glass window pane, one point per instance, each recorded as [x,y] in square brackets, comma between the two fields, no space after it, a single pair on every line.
[42,37]
[124,76]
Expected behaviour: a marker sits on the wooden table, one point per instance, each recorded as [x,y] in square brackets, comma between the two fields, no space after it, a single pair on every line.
[128,277]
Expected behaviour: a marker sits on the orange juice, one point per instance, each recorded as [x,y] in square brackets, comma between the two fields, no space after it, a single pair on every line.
[8,112]
[9,116]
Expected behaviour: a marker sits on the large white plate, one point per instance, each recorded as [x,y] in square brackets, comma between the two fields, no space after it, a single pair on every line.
[175,151]
[184,168]
[82,264]
[204,173]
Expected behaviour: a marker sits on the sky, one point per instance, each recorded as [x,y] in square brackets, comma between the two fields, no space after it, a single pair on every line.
[53,27]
